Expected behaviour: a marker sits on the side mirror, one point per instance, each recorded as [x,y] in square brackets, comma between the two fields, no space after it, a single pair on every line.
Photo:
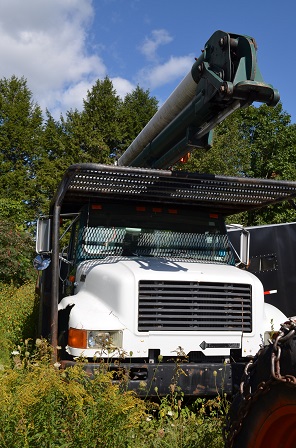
[239,239]
[244,252]
[43,241]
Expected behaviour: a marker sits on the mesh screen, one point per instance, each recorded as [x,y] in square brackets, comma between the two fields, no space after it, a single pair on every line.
[102,242]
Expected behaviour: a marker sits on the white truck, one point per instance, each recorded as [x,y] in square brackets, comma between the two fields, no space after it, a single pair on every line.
[147,280]
[149,271]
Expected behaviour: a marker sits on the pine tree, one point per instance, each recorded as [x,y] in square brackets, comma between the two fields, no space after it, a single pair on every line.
[20,141]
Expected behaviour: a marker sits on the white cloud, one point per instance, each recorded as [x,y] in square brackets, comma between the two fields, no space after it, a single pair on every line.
[45,41]
[122,86]
[151,44]
[68,99]
[173,69]
[73,96]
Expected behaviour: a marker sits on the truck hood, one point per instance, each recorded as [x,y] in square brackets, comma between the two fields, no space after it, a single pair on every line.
[161,268]
[111,285]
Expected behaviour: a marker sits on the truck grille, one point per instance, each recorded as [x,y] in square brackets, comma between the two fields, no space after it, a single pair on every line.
[194,306]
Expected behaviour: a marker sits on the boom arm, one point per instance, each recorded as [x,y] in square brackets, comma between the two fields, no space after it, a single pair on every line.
[224,78]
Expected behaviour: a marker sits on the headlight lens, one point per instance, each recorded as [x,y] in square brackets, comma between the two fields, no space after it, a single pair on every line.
[104,339]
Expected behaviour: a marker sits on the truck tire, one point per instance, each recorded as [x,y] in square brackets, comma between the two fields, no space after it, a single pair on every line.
[271,420]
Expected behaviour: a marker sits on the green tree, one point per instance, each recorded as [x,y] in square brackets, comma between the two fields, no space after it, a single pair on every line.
[269,136]
[137,109]
[16,244]
[59,155]
[20,141]
[100,121]
[229,155]
[271,140]
[65,142]
[257,142]
[83,140]
[89,136]
[13,210]
[16,254]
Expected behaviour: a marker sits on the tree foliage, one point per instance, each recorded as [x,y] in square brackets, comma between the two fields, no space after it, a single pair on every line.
[16,244]
[101,120]
[20,140]
[229,155]
[137,109]
[13,210]
[257,142]
[16,254]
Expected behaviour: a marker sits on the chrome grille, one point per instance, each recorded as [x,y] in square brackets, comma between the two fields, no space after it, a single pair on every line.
[194,306]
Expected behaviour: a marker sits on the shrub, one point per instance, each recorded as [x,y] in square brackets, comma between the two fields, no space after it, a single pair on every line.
[42,406]
[175,426]
[16,254]
[18,316]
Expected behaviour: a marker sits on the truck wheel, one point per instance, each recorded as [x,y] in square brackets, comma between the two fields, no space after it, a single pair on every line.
[271,420]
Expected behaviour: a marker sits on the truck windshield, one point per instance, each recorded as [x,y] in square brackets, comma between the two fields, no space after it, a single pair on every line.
[143,231]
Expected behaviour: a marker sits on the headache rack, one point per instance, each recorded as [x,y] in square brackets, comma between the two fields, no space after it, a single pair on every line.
[85,183]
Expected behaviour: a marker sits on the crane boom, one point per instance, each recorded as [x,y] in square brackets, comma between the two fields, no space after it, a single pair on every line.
[224,78]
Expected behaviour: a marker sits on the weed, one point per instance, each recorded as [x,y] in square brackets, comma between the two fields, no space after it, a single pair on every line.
[43,406]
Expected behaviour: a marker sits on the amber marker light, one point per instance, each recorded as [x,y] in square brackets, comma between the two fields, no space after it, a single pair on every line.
[77,338]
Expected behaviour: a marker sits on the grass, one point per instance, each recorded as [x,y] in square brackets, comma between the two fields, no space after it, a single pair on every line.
[42,406]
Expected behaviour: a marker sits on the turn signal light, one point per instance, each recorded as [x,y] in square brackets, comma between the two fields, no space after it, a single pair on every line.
[77,338]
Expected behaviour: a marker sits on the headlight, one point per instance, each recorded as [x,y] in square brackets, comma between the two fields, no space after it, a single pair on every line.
[98,339]
[104,339]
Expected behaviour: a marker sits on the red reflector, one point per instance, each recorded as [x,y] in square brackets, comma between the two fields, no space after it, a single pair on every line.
[185,158]
[96,207]
[157,210]
[173,211]
[213,215]
[141,209]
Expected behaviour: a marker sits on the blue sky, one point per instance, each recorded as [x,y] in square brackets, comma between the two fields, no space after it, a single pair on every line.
[63,46]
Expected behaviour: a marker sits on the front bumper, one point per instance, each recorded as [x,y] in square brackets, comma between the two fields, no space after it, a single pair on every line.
[159,379]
